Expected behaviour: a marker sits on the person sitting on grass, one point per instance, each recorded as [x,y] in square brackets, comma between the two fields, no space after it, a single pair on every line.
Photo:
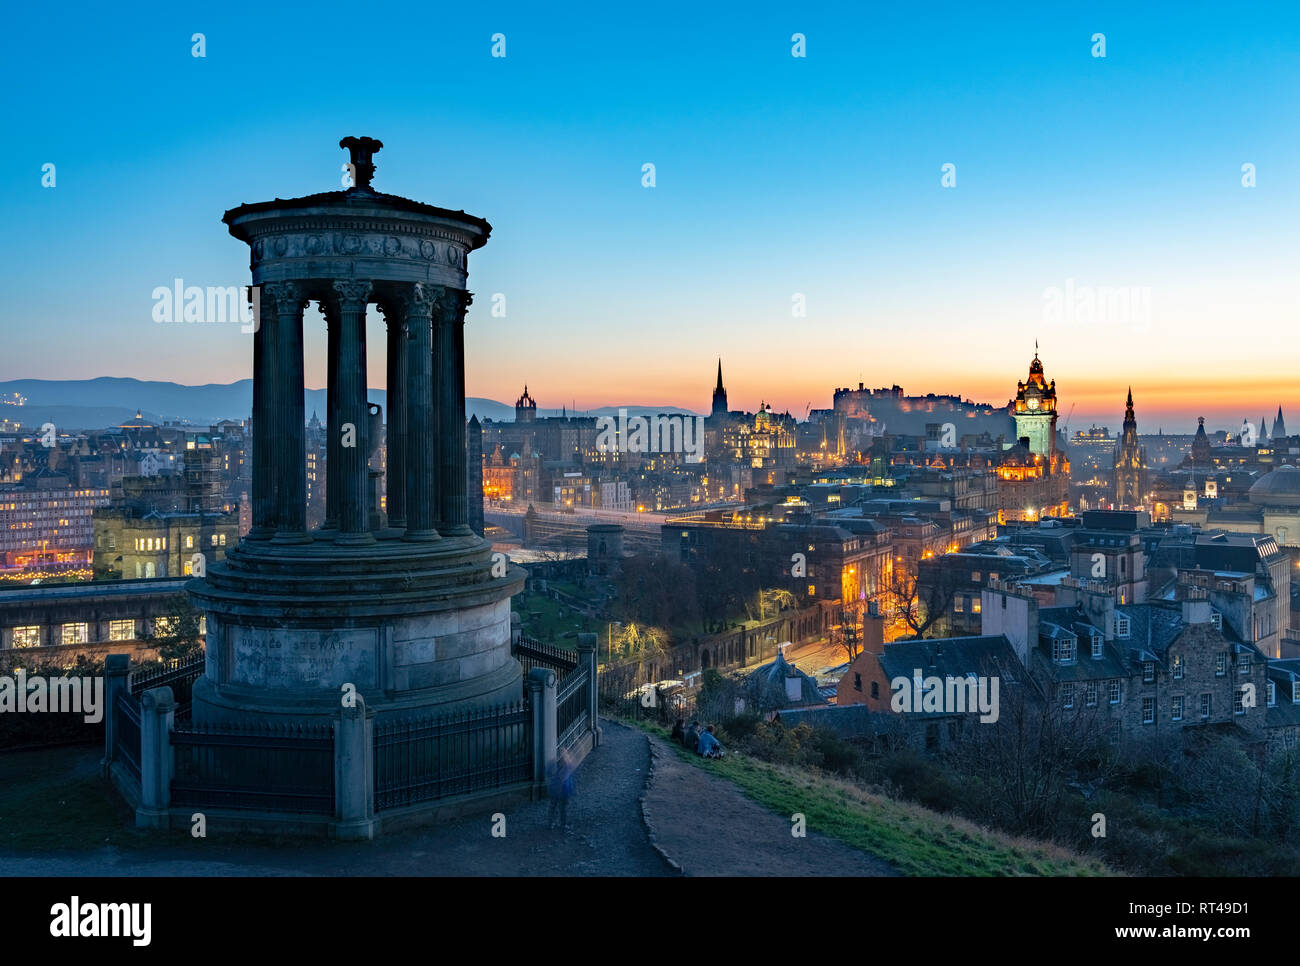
[709,746]
[692,736]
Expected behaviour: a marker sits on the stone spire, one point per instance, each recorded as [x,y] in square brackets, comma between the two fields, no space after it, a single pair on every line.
[719,395]
[1279,426]
[1263,428]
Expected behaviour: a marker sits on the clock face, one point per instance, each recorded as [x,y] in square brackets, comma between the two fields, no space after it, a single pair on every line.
[1033,402]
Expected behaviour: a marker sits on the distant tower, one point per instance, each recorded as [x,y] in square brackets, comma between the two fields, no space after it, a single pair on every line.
[1263,430]
[1130,463]
[1201,444]
[1279,426]
[474,461]
[719,395]
[525,408]
[1035,411]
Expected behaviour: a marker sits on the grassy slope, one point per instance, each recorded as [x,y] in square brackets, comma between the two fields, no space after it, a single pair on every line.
[916,840]
[54,799]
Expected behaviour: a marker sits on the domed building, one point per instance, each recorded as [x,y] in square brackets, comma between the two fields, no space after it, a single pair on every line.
[1277,494]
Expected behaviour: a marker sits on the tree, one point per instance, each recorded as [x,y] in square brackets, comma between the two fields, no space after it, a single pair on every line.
[848,635]
[1024,767]
[772,600]
[640,641]
[923,599]
[180,635]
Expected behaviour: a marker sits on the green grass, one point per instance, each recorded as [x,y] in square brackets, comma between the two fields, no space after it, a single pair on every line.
[53,799]
[915,840]
[555,620]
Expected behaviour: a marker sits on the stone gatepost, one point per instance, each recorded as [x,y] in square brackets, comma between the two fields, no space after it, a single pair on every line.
[354,772]
[541,687]
[157,710]
[587,659]
[117,679]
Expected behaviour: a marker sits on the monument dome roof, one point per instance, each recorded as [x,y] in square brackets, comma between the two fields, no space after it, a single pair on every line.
[1281,487]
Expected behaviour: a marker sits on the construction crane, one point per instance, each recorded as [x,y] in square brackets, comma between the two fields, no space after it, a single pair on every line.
[1067,419]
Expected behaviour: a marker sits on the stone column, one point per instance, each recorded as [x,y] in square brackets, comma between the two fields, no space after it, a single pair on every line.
[117,679]
[354,773]
[289,445]
[450,383]
[541,695]
[332,419]
[157,708]
[264,378]
[420,428]
[395,469]
[475,468]
[354,415]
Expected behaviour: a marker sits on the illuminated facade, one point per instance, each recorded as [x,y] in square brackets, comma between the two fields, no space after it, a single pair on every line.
[1130,464]
[1033,475]
[1034,410]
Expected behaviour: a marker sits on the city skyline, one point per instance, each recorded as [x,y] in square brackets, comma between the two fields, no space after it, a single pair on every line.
[778,178]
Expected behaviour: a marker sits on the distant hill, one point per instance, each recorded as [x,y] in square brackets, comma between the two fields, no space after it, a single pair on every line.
[109,400]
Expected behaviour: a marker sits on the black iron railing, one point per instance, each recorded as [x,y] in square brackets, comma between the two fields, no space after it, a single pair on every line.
[126,732]
[285,768]
[168,674]
[533,653]
[427,758]
[572,706]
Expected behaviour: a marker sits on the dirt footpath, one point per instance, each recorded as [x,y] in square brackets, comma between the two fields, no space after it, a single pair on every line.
[705,826]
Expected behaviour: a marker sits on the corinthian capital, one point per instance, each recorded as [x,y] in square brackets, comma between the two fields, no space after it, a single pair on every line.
[286,297]
[353,293]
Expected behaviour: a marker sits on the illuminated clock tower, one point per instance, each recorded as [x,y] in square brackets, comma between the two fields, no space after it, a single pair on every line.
[1034,410]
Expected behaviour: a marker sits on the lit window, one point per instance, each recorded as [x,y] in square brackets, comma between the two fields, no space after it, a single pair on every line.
[1220,665]
[1178,666]
[27,636]
[121,630]
[1063,650]
[189,542]
[165,626]
[75,633]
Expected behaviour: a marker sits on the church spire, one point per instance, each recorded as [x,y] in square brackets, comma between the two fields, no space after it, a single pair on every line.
[1279,427]
[719,394]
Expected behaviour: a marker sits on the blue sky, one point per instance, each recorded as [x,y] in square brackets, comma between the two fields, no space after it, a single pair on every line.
[776,175]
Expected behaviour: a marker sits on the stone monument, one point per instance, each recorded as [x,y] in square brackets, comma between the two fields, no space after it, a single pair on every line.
[406,606]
